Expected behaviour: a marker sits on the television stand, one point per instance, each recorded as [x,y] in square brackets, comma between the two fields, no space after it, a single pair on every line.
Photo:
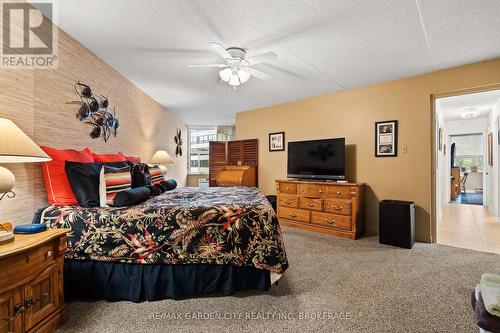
[322,206]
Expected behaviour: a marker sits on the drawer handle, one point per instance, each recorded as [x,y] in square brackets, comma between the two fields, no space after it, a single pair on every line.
[320,191]
[337,208]
[302,190]
[288,202]
[311,205]
[329,222]
[49,254]
[293,215]
[287,188]
[18,309]
[28,303]
[338,192]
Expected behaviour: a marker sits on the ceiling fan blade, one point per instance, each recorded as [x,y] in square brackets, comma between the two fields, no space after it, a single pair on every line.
[259,74]
[221,50]
[264,57]
[209,65]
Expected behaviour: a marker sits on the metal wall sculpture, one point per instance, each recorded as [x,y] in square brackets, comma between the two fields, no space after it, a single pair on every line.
[93,110]
[178,143]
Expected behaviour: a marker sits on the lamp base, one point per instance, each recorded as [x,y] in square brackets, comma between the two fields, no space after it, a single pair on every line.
[7,180]
[163,169]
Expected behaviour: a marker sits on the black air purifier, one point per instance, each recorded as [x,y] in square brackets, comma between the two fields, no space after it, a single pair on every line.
[397,223]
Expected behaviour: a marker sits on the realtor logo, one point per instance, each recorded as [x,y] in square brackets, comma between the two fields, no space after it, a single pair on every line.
[29,37]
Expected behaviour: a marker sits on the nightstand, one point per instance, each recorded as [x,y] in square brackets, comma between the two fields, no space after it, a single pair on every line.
[32,282]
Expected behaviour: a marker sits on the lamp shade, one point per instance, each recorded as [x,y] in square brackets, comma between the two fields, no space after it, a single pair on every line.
[161,157]
[17,147]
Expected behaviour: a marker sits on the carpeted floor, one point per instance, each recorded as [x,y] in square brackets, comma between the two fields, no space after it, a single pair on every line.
[338,284]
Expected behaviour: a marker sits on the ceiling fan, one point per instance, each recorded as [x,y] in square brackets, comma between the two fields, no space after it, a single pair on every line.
[237,67]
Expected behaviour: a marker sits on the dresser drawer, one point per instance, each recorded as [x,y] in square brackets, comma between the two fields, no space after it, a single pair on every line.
[343,192]
[311,204]
[23,265]
[331,220]
[289,188]
[338,206]
[288,201]
[311,190]
[294,214]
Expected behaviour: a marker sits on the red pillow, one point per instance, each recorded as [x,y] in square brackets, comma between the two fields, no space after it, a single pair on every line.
[133,159]
[118,157]
[56,182]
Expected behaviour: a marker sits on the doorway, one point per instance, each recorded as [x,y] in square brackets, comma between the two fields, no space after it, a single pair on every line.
[467,185]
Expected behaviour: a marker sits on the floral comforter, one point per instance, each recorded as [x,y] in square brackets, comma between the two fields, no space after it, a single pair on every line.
[227,225]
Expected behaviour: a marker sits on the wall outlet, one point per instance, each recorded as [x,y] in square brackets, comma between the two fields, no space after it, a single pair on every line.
[404,150]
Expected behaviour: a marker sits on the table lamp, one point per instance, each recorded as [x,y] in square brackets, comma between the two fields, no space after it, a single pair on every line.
[161,158]
[15,147]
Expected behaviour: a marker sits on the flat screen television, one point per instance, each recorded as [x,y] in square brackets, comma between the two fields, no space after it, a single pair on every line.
[317,159]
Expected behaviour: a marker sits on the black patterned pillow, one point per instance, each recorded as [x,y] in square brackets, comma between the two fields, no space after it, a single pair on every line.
[140,174]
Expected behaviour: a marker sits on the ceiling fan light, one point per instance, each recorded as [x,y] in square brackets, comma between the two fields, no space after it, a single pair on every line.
[243,75]
[234,80]
[225,74]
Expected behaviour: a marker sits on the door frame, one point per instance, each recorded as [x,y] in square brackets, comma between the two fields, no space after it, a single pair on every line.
[433,151]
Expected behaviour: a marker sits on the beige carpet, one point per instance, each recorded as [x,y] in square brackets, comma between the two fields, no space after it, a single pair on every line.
[332,285]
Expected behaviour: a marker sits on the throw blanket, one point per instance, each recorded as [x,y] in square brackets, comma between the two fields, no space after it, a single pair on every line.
[491,297]
[231,225]
[484,319]
[490,278]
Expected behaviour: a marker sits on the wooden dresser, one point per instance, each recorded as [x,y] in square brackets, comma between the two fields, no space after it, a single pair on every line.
[31,282]
[234,175]
[327,207]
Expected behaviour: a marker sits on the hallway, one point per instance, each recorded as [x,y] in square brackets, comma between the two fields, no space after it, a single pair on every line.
[469,226]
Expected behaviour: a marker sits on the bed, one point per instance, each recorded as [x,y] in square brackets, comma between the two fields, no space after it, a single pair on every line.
[185,242]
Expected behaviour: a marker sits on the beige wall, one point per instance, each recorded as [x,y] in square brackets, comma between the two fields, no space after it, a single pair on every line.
[352,114]
[36,101]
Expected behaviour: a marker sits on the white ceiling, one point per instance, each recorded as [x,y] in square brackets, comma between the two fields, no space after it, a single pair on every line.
[322,45]
[453,107]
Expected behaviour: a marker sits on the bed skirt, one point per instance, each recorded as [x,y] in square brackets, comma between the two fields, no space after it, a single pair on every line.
[111,281]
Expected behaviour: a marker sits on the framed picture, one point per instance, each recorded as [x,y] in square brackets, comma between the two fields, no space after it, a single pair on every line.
[490,149]
[277,141]
[386,138]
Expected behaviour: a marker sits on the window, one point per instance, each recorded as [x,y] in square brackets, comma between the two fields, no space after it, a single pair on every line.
[198,148]
[468,151]
[199,138]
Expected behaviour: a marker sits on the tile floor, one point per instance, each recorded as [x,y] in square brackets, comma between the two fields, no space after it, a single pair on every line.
[469,226]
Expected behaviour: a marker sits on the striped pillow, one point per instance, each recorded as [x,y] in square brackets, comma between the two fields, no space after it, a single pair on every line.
[112,181]
[156,175]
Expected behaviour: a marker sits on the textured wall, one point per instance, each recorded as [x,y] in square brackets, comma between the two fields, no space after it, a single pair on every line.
[36,101]
[352,114]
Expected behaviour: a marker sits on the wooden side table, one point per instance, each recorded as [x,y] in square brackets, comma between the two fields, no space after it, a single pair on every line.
[32,282]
